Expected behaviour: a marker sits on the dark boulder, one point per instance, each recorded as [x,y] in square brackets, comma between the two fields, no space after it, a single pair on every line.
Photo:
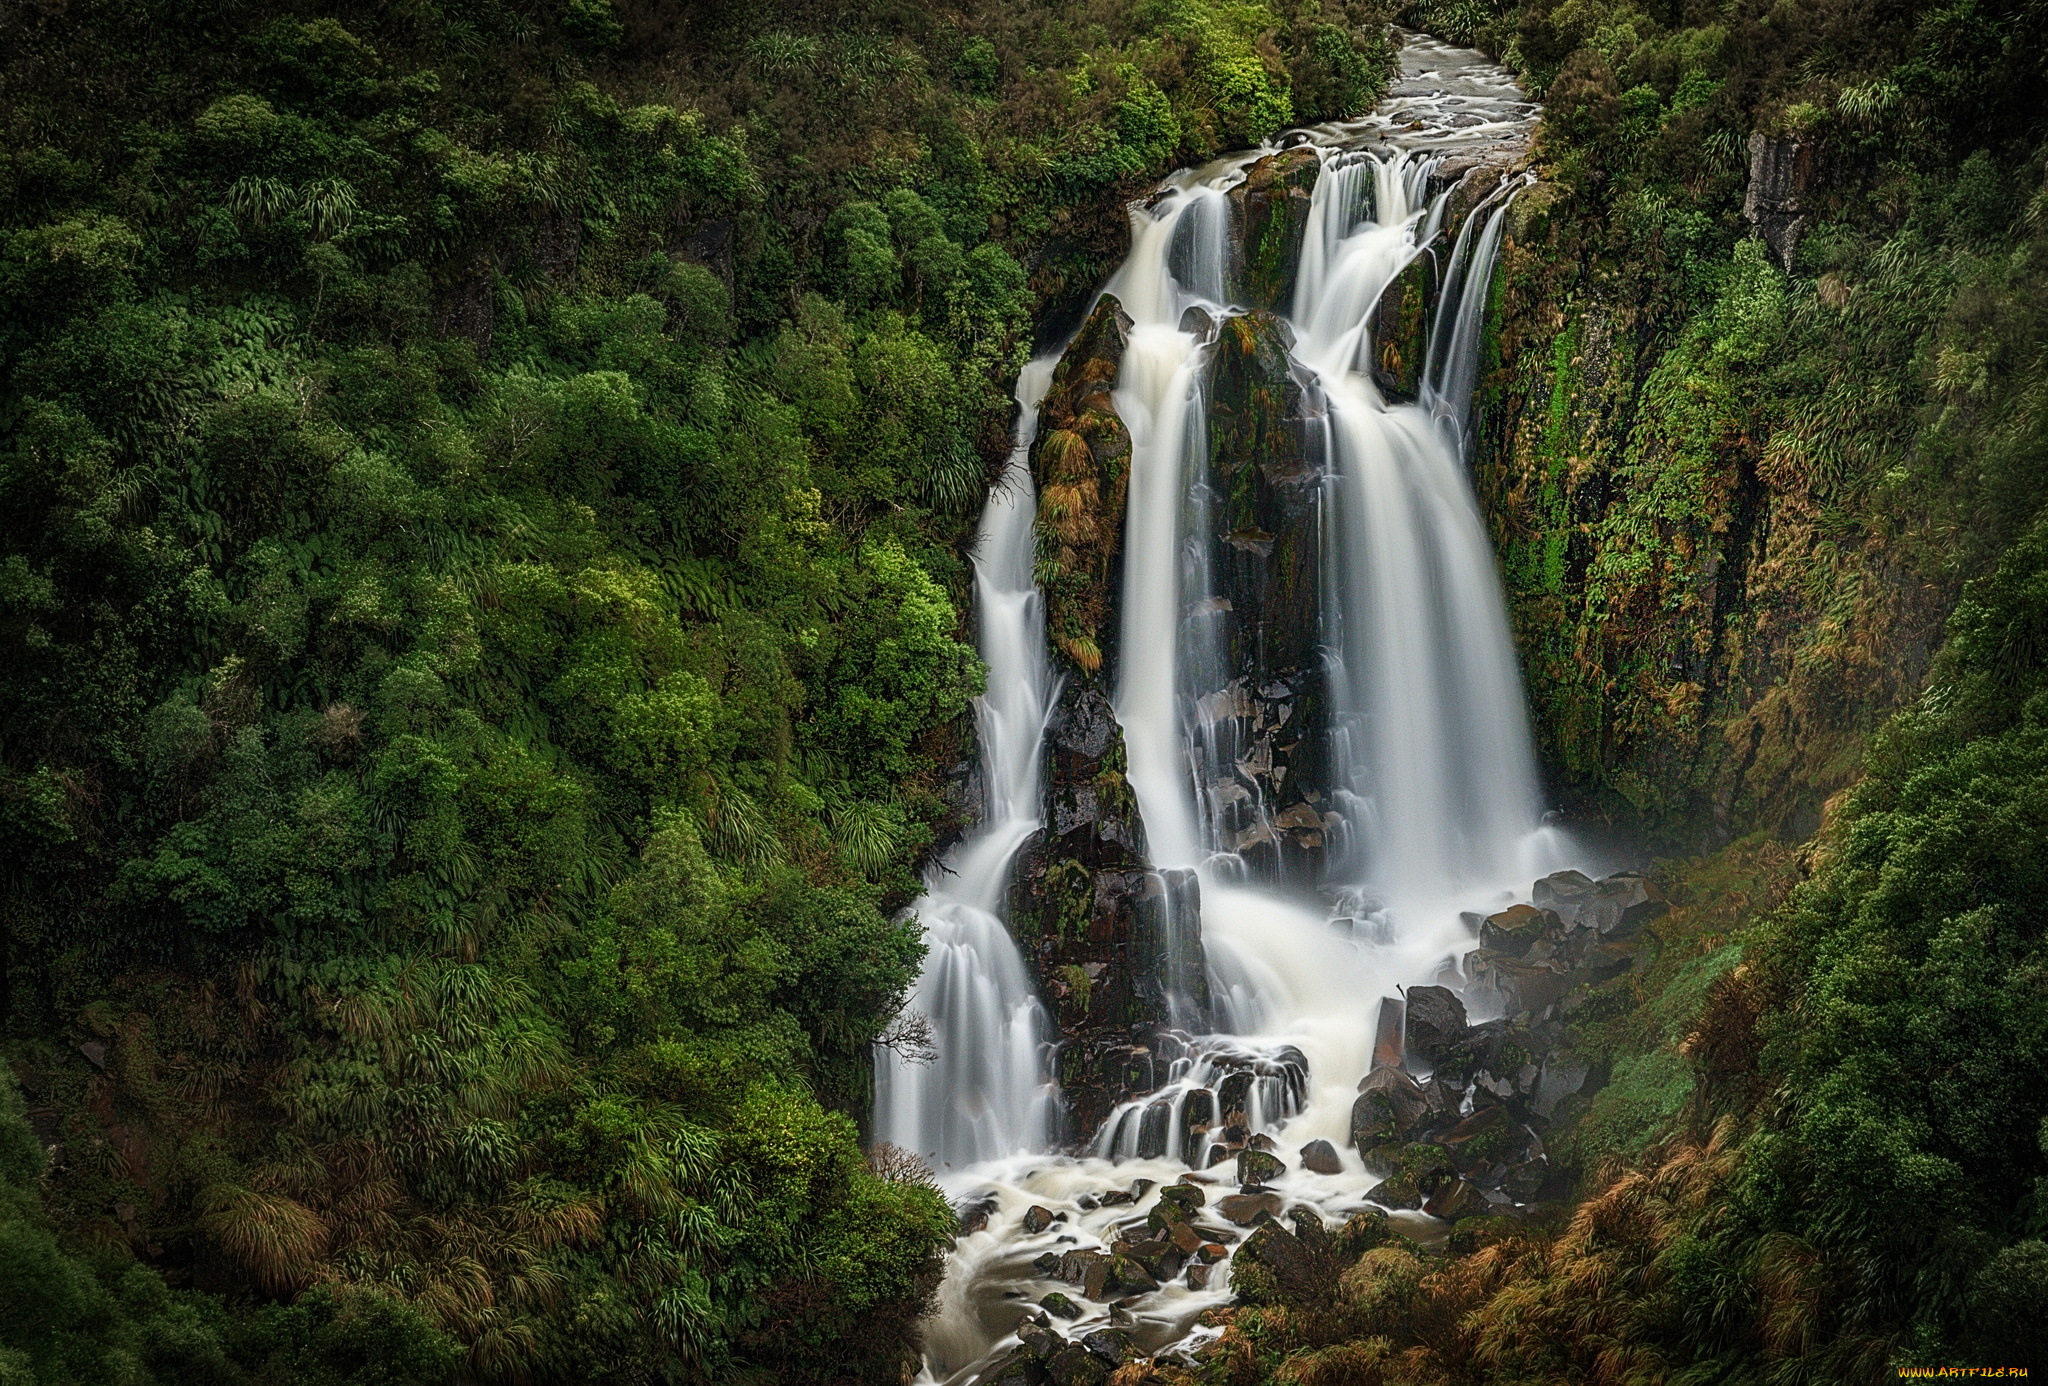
[1436,1021]
[1320,1157]
[1516,929]
[1249,1208]
[1112,1345]
[1037,1219]
[1075,1365]
[1020,1368]
[1566,892]
[1417,1170]
[1453,1199]
[1389,1105]
[1257,1168]
[1623,904]
[1059,1306]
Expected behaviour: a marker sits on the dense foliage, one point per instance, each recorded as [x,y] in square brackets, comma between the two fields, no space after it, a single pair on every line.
[483,503]
[1744,489]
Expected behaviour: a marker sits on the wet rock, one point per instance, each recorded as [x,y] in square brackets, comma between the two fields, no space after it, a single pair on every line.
[1184,1195]
[1131,1276]
[1059,1306]
[1154,1128]
[1020,1368]
[1161,1257]
[1488,1137]
[1565,892]
[1185,1239]
[1417,1170]
[1112,1345]
[1320,1157]
[1259,1140]
[975,1213]
[1270,218]
[1400,329]
[1386,1045]
[1040,1342]
[1436,1021]
[1217,1155]
[1197,1115]
[1523,988]
[1210,1252]
[1257,1168]
[1390,1104]
[95,1053]
[1037,1219]
[1248,1209]
[1198,1275]
[1115,1198]
[1456,1198]
[1075,1365]
[1046,1263]
[1560,1078]
[1299,1266]
[1514,930]
[1623,904]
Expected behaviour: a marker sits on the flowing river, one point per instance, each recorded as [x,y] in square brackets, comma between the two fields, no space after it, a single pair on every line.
[1434,806]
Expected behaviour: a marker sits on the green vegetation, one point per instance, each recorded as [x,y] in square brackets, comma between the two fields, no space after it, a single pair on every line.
[1772,518]
[485,498]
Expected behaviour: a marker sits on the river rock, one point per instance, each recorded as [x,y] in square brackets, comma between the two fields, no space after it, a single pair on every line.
[1020,1368]
[1131,1276]
[975,1213]
[1112,1345]
[1074,1365]
[1059,1306]
[1488,1137]
[1041,1342]
[1523,988]
[1198,1275]
[1320,1157]
[1257,1168]
[1037,1219]
[1184,1195]
[1623,904]
[1249,1208]
[1436,1021]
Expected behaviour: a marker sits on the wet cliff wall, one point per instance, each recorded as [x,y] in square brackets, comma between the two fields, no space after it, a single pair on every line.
[1750,419]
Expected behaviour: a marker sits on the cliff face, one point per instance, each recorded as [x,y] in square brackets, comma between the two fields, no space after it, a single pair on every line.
[1712,614]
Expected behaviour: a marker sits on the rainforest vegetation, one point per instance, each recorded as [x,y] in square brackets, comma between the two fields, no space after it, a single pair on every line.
[484,498]
[485,494]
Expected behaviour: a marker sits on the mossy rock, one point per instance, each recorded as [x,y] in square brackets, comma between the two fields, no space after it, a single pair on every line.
[1269,224]
[1417,1172]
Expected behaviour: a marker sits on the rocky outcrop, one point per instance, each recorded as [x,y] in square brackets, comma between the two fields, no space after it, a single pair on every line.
[1780,173]
[1263,720]
[1269,218]
[1081,464]
[1468,1140]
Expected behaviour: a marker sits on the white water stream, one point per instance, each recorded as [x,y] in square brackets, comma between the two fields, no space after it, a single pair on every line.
[1434,772]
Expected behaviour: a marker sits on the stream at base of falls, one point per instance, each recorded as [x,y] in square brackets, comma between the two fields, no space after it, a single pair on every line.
[1432,817]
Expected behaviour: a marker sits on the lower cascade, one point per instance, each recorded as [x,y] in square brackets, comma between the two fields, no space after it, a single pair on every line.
[1285,792]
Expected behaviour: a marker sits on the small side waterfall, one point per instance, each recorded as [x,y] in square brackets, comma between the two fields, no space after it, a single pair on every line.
[986,1094]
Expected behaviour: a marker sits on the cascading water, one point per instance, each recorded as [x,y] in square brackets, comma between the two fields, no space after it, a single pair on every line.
[1433,804]
[986,1094]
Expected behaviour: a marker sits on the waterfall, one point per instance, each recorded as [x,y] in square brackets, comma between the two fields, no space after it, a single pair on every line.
[1382,760]
[986,1093]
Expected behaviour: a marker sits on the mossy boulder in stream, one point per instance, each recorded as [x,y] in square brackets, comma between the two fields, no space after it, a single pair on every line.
[1269,220]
